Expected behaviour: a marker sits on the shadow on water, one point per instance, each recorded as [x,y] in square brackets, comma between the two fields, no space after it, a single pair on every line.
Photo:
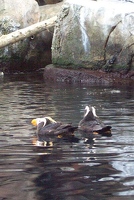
[72,168]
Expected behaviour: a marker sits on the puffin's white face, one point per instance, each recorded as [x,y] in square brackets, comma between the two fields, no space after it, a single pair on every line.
[39,120]
[36,121]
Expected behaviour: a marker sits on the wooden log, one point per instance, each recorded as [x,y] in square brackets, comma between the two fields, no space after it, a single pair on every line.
[21,34]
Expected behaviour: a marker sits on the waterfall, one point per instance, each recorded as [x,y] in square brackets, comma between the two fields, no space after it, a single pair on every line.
[85,37]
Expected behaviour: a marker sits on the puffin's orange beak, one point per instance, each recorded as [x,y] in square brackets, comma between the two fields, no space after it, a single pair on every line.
[34,122]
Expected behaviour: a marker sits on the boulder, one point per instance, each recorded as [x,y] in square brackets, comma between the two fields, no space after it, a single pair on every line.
[95,34]
[27,12]
[49,11]
[12,19]
[86,76]
[39,53]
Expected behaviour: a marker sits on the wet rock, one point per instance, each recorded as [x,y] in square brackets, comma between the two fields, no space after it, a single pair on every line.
[34,52]
[12,19]
[49,11]
[95,34]
[86,76]
[39,53]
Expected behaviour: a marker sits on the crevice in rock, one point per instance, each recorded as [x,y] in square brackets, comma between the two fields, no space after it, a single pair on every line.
[45,2]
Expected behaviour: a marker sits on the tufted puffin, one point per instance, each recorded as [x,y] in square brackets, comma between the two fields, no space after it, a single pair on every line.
[47,128]
[92,124]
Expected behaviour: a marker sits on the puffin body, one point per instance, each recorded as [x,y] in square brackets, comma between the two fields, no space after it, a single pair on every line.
[92,124]
[47,127]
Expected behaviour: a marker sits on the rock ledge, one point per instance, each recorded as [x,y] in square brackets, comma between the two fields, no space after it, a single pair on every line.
[86,76]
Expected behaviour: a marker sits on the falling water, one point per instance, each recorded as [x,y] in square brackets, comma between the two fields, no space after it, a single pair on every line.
[85,37]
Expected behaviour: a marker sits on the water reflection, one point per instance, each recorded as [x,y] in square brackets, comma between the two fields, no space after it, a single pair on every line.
[70,169]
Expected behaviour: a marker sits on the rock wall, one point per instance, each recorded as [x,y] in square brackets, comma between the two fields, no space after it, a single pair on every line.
[95,34]
[15,15]
[39,54]
[34,52]
[22,11]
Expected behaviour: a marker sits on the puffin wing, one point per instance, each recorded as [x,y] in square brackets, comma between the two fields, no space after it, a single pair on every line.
[66,129]
[39,126]
[49,129]
[84,123]
[65,126]
[98,120]
[55,129]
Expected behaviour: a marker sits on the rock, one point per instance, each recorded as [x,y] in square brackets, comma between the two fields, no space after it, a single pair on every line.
[86,76]
[34,52]
[49,11]
[95,34]
[12,19]
[39,53]
[27,12]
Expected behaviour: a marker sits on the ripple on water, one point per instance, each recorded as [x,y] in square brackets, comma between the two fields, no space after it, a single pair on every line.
[65,169]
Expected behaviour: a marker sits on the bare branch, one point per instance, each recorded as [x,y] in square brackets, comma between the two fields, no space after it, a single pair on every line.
[20,34]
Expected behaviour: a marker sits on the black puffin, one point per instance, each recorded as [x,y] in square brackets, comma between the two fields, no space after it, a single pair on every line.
[47,128]
[92,124]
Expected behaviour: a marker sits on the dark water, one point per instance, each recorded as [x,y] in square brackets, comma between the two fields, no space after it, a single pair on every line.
[69,170]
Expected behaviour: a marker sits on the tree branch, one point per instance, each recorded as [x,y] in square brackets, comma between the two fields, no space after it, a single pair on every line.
[21,34]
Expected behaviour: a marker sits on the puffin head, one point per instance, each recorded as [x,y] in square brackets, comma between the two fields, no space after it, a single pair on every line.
[45,120]
[90,110]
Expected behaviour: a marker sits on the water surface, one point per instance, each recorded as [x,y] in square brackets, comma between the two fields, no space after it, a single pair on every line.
[69,170]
